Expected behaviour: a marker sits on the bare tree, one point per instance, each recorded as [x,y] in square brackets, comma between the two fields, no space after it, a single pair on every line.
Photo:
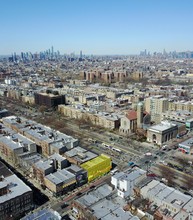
[183,159]
[188,180]
[42,109]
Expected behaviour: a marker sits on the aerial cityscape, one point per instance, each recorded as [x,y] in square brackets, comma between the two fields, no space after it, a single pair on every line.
[96,110]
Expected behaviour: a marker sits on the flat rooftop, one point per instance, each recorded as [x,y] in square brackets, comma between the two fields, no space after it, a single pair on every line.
[4,171]
[6,140]
[105,208]
[16,186]
[80,154]
[61,176]
[44,214]
[95,195]
[187,143]
[129,174]
[162,127]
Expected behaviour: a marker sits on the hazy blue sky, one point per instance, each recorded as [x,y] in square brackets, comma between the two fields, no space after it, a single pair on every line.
[96,26]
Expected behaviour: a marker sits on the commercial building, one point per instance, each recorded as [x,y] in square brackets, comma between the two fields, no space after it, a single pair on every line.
[97,166]
[16,198]
[81,174]
[186,146]
[162,133]
[189,124]
[60,182]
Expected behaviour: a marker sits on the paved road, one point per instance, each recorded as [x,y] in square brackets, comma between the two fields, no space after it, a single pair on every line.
[180,177]
[67,199]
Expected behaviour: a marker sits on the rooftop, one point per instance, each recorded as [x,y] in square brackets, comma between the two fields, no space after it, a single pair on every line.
[162,126]
[44,214]
[57,157]
[44,165]
[61,176]
[8,141]
[187,143]
[15,185]
[95,161]
[129,174]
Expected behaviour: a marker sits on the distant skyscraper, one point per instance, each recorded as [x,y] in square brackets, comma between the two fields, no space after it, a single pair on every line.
[81,54]
[15,57]
[164,52]
[52,51]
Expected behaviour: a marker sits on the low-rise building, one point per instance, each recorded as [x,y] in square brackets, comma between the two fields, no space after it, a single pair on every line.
[189,124]
[79,155]
[100,203]
[16,198]
[81,174]
[43,214]
[171,203]
[44,137]
[177,116]
[60,182]
[186,146]
[10,149]
[59,161]
[162,133]
[97,166]
[103,119]
[124,182]
[42,168]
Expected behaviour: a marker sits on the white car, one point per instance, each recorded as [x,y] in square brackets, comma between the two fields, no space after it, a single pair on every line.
[164,147]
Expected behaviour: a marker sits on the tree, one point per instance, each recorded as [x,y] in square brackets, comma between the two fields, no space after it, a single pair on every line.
[42,109]
[183,159]
[188,180]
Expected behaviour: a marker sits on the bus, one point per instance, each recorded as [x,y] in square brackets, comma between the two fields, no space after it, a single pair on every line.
[182,150]
[117,150]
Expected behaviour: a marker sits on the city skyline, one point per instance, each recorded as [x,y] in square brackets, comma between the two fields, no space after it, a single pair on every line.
[97,27]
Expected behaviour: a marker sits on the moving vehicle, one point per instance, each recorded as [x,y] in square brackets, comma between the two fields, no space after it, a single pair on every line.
[113,171]
[131,163]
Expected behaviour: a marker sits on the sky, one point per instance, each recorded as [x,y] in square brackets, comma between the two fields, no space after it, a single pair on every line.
[96,26]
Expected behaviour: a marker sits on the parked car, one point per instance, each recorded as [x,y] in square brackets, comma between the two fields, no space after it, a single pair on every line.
[64,205]
[152,175]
